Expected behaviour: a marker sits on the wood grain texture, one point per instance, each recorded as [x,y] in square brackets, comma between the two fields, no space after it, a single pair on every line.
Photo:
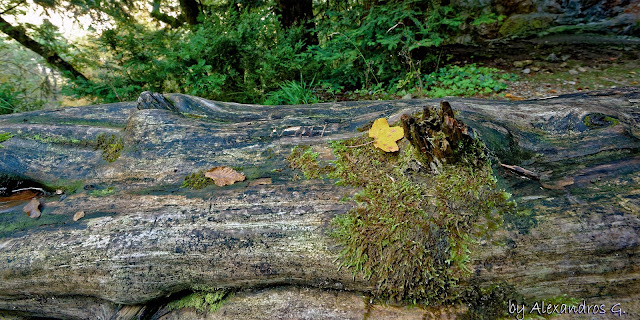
[145,237]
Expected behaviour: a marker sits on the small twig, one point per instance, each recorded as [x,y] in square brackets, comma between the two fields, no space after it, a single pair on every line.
[360,145]
[30,188]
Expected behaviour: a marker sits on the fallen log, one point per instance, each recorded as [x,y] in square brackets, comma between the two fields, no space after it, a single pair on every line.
[146,236]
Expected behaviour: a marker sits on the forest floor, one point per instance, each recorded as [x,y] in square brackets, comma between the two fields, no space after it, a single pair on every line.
[555,65]
[555,78]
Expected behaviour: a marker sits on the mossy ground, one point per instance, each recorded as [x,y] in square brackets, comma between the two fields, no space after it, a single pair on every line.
[411,228]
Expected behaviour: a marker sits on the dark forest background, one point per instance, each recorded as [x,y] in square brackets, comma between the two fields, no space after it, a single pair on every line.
[266,52]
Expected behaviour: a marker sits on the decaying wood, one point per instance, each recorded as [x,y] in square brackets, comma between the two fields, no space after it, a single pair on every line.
[144,237]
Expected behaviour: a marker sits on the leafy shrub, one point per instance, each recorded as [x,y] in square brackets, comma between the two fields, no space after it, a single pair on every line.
[468,80]
[8,98]
[230,56]
[362,47]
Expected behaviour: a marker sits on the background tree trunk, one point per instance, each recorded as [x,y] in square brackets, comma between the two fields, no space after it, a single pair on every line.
[144,237]
[293,12]
[52,57]
[190,10]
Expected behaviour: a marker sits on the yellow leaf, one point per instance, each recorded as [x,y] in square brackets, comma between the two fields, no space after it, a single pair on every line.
[385,137]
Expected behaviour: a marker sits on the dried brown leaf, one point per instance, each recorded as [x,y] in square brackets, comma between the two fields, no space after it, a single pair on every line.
[78,215]
[223,176]
[32,209]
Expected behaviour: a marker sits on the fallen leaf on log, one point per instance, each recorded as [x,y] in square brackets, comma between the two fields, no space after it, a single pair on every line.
[78,215]
[223,176]
[261,181]
[31,209]
[385,137]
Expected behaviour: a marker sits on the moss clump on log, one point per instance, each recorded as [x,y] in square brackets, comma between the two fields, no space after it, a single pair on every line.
[197,180]
[304,159]
[416,215]
[201,300]
[111,146]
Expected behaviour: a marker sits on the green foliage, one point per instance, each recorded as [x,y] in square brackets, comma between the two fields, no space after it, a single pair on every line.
[468,80]
[8,98]
[25,82]
[245,55]
[230,56]
[292,92]
[201,300]
[487,18]
[361,47]
[411,230]
[110,146]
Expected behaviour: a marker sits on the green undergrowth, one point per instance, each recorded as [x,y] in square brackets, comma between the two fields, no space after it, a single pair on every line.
[464,81]
[205,301]
[111,146]
[411,228]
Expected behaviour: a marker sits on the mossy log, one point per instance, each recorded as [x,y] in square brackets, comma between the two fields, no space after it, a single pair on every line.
[145,236]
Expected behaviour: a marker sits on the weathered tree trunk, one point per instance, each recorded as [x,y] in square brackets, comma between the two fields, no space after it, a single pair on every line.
[145,237]
[52,57]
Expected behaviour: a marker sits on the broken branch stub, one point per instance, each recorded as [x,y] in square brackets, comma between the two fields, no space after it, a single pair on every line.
[437,134]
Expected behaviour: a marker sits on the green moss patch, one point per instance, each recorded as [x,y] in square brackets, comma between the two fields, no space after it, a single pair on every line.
[15,220]
[60,140]
[4,136]
[197,180]
[111,146]
[67,186]
[599,120]
[102,192]
[202,301]
[304,159]
[412,225]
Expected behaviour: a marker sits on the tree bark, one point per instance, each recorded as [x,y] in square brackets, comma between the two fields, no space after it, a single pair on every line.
[155,13]
[145,237]
[52,57]
[293,12]
[190,11]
